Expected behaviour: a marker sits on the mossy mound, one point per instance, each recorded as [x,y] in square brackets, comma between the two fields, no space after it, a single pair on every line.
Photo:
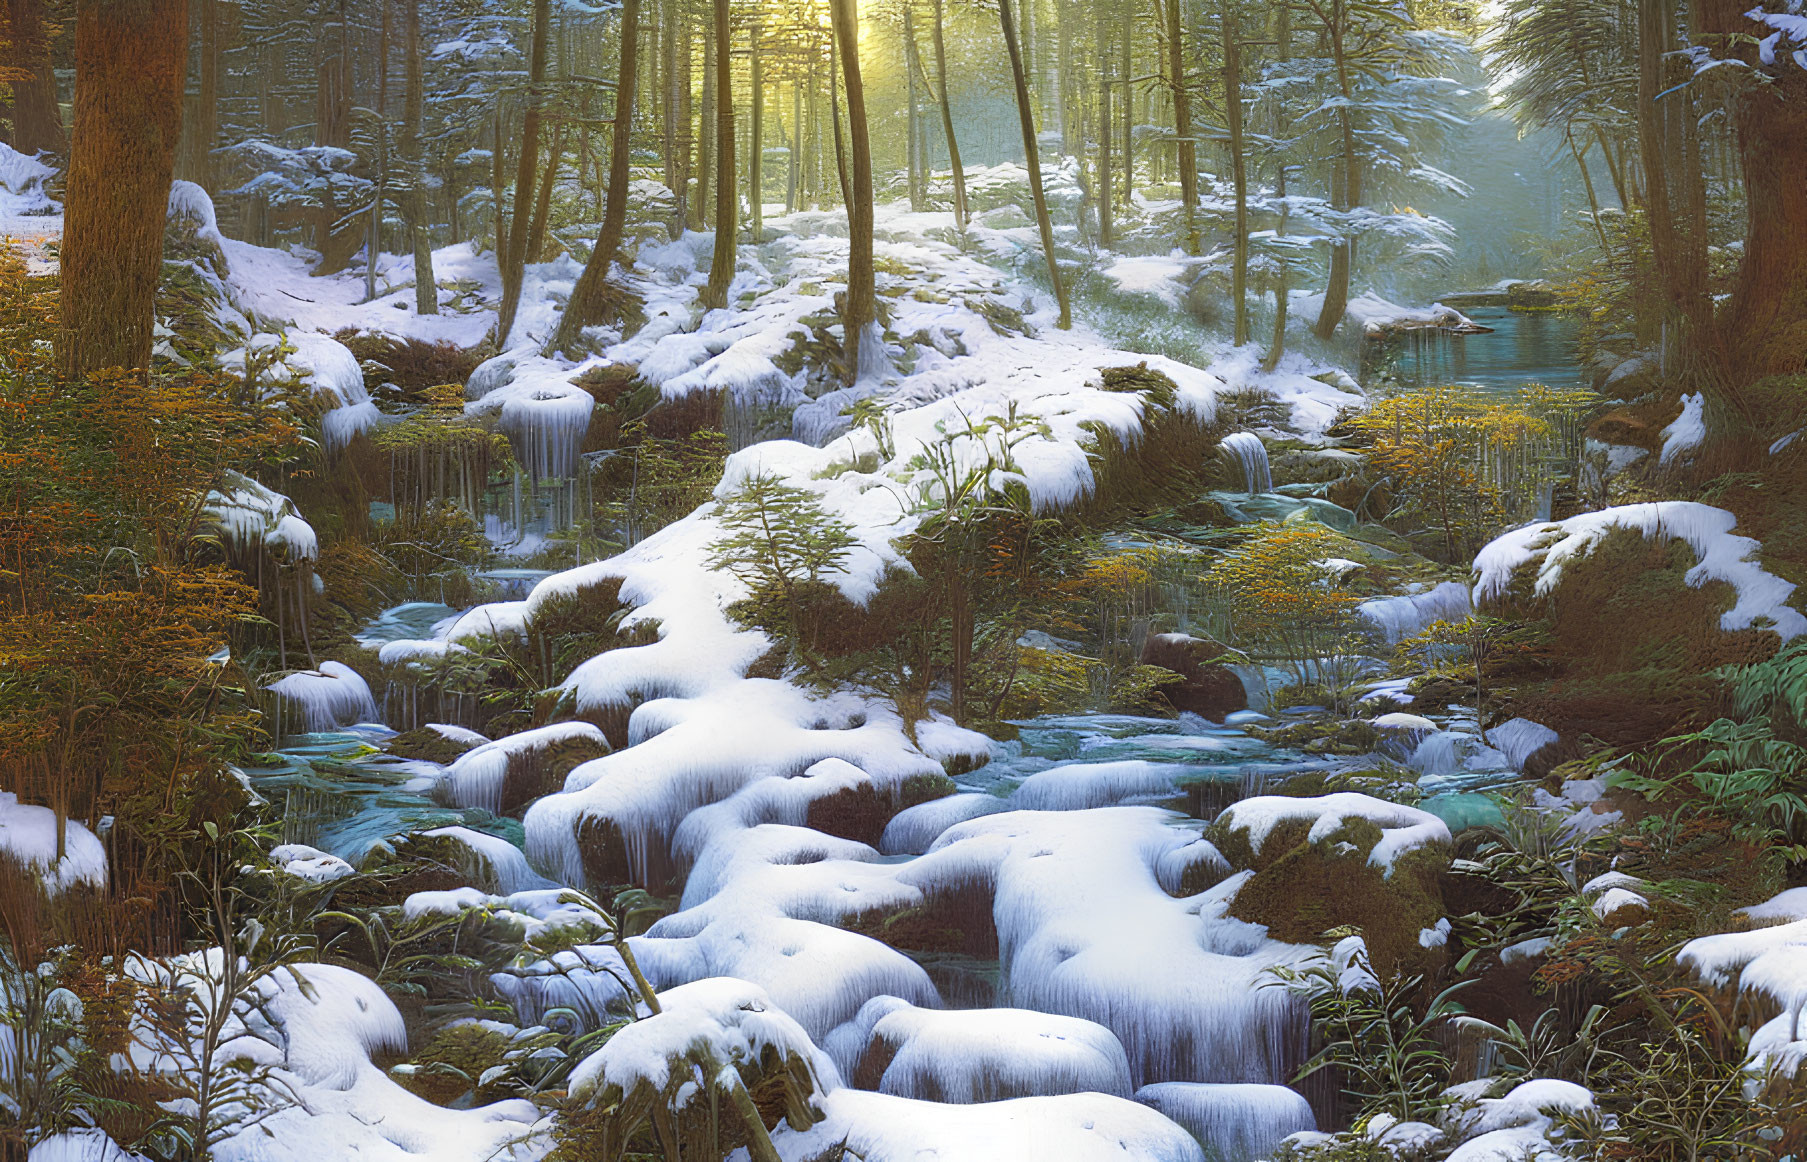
[1631,645]
[1303,888]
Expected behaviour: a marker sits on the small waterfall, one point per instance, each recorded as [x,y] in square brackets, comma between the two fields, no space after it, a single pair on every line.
[1251,453]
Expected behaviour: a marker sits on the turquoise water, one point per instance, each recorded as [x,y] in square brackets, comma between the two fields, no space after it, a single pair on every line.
[1524,347]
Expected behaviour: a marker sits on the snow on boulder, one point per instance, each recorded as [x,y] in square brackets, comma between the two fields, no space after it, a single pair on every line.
[321,1039]
[334,374]
[191,207]
[1234,1123]
[335,695]
[310,863]
[505,775]
[28,836]
[22,178]
[1340,859]
[709,1036]
[1784,907]
[618,814]
[912,830]
[1518,1127]
[1549,550]
[983,1055]
[1765,968]
[1081,1127]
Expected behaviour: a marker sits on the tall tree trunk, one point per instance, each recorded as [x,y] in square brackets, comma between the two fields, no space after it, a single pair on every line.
[1182,123]
[1071,125]
[1281,291]
[1105,196]
[834,109]
[131,64]
[498,187]
[947,118]
[37,120]
[1593,202]
[1681,292]
[705,162]
[373,233]
[793,170]
[1764,326]
[426,290]
[727,209]
[1129,105]
[1232,80]
[860,306]
[515,272]
[1348,184]
[1026,115]
[542,199]
[913,138]
[585,307]
[685,116]
[668,69]
[756,144]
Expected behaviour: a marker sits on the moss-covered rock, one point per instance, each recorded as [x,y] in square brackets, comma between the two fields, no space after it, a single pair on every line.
[1316,869]
[1207,687]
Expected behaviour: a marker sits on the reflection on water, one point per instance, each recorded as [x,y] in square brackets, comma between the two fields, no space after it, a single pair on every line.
[1524,347]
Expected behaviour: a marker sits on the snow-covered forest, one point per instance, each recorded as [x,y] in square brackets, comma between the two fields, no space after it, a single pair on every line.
[884,580]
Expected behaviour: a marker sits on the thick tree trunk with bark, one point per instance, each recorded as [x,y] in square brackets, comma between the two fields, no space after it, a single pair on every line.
[860,306]
[947,118]
[834,111]
[1232,81]
[1026,115]
[727,209]
[514,270]
[1182,122]
[756,146]
[131,62]
[1348,186]
[705,160]
[37,121]
[1129,104]
[1105,197]
[585,307]
[426,291]
[1763,329]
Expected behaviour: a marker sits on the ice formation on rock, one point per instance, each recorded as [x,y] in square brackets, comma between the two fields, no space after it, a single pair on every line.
[1234,1123]
[478,778]
[981,1055]
[247,514]
[315,700]
[1249,452]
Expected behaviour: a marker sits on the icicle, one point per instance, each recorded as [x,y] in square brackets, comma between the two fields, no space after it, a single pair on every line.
[1251,453]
